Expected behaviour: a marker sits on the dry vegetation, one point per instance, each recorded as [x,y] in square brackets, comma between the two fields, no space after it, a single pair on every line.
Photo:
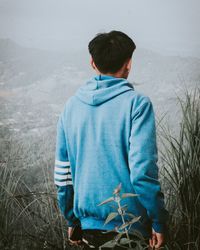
[29,216]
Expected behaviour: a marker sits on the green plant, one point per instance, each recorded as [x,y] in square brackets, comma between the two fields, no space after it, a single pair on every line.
[124,228]
[181,175]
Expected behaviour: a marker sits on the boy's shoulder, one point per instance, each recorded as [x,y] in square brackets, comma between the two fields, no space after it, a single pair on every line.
[138,98]
[139,102]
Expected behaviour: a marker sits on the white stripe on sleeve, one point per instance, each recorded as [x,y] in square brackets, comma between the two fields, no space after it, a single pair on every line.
[62,177]
[62,170]
[62,163]
[63,183]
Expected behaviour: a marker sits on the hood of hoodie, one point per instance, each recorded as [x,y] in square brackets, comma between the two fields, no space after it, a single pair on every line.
[102,88]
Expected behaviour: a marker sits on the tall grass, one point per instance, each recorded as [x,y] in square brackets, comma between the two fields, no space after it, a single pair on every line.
[29,217]
[181,162]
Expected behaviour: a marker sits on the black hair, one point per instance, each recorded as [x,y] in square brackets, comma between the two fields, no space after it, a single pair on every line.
[111,50]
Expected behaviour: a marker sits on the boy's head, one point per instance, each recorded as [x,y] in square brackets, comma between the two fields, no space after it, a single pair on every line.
[111,53]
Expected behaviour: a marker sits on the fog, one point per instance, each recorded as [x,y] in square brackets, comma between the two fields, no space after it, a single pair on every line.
[44,57]
[169,27]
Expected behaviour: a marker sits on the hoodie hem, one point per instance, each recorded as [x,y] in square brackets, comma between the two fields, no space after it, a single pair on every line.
[94,223]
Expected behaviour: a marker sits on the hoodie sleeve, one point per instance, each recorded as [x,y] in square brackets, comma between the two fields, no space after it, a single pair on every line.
[63,178]
[143,165]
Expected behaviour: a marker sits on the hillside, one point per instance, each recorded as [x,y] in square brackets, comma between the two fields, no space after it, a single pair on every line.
[35,84]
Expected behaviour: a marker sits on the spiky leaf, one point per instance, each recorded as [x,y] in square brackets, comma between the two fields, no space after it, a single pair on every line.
[125,195]
[117,189]
[110,217]
[134,220]
[106,201]
[124,241]
[109,244]
[124,225]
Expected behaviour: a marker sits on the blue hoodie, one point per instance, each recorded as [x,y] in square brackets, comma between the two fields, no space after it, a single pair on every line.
[105,136]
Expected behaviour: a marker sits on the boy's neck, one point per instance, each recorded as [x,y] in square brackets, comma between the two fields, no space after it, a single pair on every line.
[116,75]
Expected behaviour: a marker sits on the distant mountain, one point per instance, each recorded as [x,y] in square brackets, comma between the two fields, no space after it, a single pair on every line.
[43,80]
[9,49]
[23,66]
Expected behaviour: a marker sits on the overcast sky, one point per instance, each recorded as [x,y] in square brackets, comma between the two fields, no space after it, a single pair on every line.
[168,26]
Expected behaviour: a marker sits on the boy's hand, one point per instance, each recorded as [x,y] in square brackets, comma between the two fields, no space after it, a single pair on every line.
[73,242]
[157,240]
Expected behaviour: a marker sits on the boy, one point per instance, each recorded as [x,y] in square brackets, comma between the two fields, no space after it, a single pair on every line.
[105,136]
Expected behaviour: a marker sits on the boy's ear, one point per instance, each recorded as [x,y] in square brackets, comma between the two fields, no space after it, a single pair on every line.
[129,63]
[92,63]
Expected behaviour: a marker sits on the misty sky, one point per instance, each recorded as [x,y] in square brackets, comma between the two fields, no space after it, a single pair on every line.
[168,26]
